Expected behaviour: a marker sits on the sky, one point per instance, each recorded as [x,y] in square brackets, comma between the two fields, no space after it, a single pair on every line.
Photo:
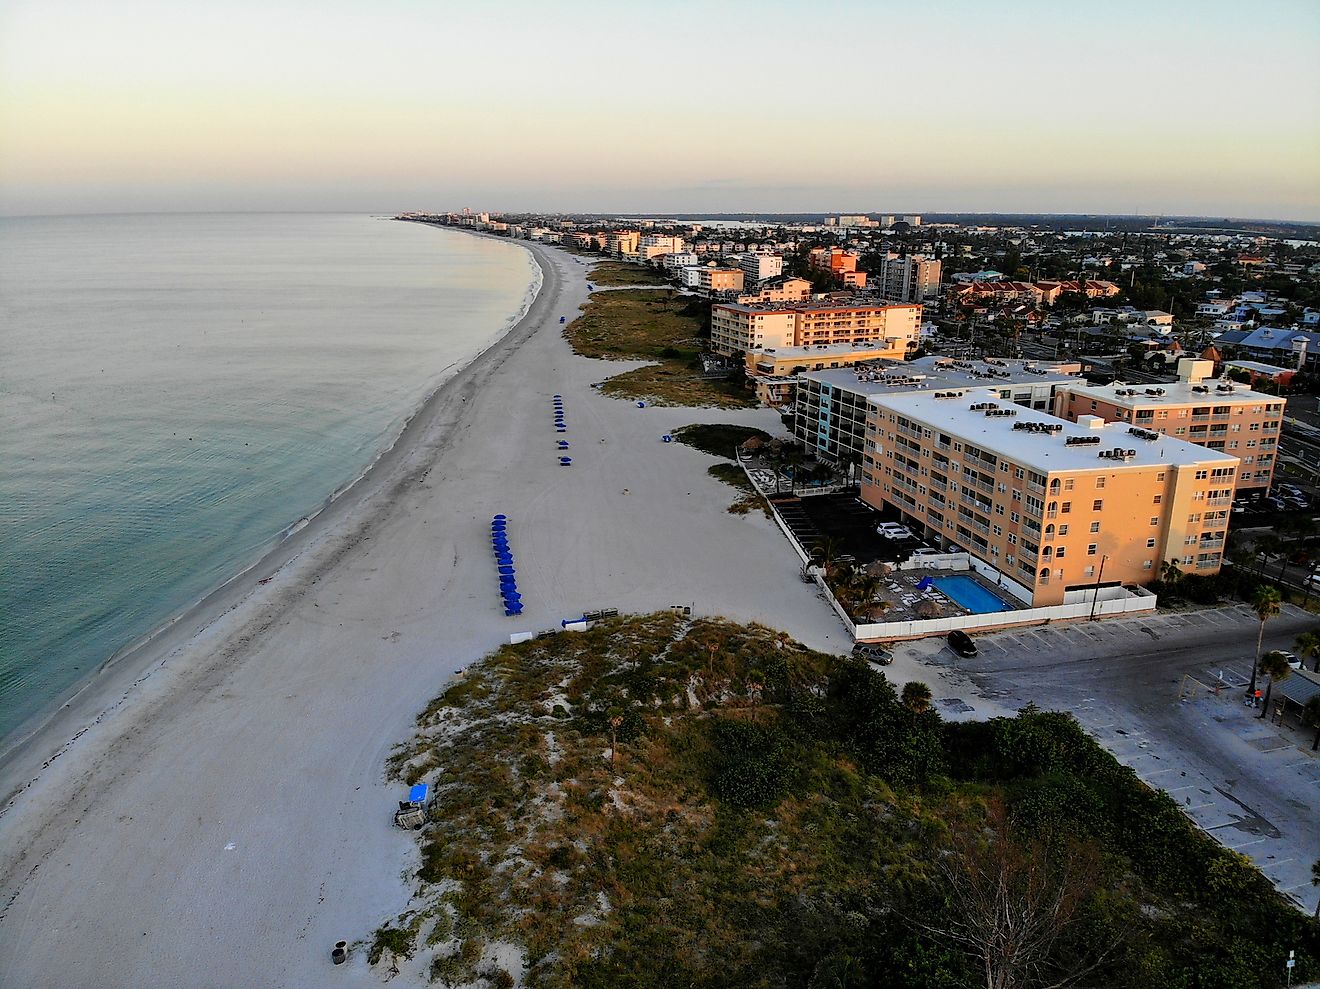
[1154,107]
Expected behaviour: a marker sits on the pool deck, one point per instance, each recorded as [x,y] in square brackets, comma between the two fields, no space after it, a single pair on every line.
[899,600]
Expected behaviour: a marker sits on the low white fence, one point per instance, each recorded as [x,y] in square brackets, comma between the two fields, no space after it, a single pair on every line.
[1111,601]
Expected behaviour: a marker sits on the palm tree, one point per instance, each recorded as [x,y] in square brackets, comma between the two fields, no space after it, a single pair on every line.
[1266,545]
[828,548]
[1308,644]
[1170,572]
[916,697]
[866,586]
[1315,881]
[1311,716]
[1266,602]
[1275,666]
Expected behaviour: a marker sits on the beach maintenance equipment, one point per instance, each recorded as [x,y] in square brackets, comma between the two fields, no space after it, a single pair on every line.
[411,814]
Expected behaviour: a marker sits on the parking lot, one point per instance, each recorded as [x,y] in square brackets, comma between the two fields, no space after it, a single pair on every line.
[844,517]
[1132,684]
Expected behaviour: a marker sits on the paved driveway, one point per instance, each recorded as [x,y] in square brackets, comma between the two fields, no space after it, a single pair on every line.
[1133,685]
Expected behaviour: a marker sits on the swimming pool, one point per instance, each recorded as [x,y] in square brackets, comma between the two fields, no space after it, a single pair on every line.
[964,591]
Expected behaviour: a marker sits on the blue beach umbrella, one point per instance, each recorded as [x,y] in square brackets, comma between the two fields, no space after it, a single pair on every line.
[500,518]
[506,571]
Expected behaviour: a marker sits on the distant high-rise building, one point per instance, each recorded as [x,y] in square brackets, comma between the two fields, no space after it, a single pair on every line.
[907,279]
[758,267]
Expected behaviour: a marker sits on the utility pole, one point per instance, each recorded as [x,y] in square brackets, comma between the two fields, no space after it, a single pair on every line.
[1095,601]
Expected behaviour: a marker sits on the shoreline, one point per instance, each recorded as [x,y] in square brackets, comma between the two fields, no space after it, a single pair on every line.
[87,704]
[252,761]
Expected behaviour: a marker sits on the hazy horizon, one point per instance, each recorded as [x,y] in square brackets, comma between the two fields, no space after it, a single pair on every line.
[1209,109]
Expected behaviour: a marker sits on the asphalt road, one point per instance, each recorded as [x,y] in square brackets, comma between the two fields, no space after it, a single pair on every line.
[1252,785]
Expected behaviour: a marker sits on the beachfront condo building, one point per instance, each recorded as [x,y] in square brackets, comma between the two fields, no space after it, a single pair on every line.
[907,279]
[788,290]
[760,266]
[831,406]
[773,372]
[621,243]
[741,327]
[1210,412]
[719,281]
[1052,505]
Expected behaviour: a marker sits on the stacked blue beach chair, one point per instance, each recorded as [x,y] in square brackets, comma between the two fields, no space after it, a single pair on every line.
[561,426]
[499,541]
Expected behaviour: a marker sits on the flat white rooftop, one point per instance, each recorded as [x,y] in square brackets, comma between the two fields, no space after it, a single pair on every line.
[825,350]
[940,373]
[1009,436]
[1216,391]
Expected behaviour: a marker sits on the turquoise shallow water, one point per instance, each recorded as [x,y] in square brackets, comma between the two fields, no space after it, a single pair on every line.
[175,391]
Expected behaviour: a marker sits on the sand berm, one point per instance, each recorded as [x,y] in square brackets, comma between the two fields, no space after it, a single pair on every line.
[222,817]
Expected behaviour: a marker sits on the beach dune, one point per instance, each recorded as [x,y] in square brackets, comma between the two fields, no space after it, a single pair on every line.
[225,819]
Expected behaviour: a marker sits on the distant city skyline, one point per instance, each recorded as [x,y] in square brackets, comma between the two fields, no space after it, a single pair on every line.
[1210,108]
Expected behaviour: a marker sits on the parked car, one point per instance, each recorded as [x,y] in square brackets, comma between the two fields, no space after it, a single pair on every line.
[872,654]
[1274,504]
[1288,489]
[1299,502]
[927,551]
[961,643]
[892,530]
[1293,661]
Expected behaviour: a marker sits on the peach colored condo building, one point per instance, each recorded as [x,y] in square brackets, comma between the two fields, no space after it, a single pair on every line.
[1052,505]
[739,328]
[1210,412]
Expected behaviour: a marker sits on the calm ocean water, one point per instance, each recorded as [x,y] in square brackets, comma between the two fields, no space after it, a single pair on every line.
[176,390]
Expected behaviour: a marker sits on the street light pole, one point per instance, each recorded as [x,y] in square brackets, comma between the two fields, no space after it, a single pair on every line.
[1095,600]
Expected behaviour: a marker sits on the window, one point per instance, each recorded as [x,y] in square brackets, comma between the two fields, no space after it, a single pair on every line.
[1063,530]
[1099,482]
[1098,505]
[1154,521]
[1159,499]
[1091,548]
[1090,571]
[1067,507]
[1059,553]
[1147,564]
[1150,544]
[998,530]
[1068,484]
[1095,526]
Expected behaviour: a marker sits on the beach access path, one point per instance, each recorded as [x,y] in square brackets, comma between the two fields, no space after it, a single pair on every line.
[225,818]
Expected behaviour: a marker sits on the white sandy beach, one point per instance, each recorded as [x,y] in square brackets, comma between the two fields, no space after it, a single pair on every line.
[225,819]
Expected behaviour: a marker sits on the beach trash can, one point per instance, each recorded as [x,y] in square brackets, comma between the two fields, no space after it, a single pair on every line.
[339,953]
